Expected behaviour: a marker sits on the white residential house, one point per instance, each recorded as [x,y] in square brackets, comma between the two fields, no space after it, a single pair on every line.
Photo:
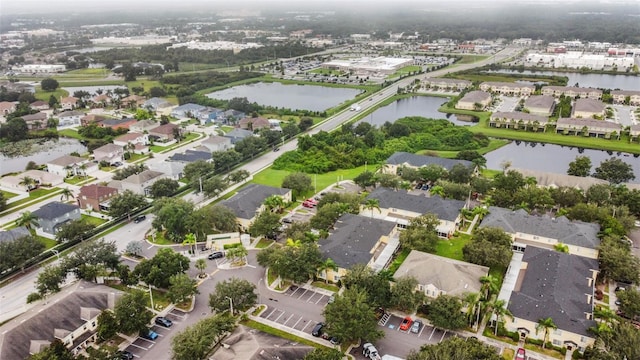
[69,119]
[68,165]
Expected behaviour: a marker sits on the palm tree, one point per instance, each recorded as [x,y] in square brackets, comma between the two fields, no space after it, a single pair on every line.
[489,286]
[474,305]
[274,202]
[190,239]
[371,204]
[66,193]
[605,314]
[499,309]
[28,182]
[83,167]
[481,211]
[201,264]
[238,254]
[27,219]
[294,243]
[327,265]
[545,324]
[437,190]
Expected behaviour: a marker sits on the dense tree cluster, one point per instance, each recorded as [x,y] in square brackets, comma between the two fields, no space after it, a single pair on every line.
[198,340]
[455,348]
[188,84]
[353,147]
[298,261]
[15,253]
[158,270]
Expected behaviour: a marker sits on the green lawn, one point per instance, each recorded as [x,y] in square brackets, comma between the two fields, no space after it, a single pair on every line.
[280,333]
[78,179]
[226,129]
[45,95]
[398,260]
[93,220]
[70,133]
[48,243]
[135,157]
[263,243]
[323,285]
[273,177]
[160,239]
[7,195]
[33,195]
[187,139]
[468,59]
[407,70]
[493,145]
[452,248]
[89,72]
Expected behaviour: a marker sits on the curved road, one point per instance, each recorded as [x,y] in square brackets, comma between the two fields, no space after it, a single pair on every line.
[14,294]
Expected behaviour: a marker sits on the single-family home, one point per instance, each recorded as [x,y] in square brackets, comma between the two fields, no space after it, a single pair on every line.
[254,123]
[69,119]
[164,132]
[248,202]
[572,92]
[446,84]
[236,135]
[396,161]
[626,97]
[39,105]
[589,127]
[400,207]
[131,138]
[507,88]
[53,215]
[156,104]
[186,111]
[101,100]
[518,120]
[42,178]
[474,100]
[580,238]
[133,101]
[190,156]
[72,318]
[172,169]
[7,107]
[141,183]
[95,197]
[68,165]
[588,108]
[439,275]
[110,153]
[356,240]
[551,284]
[209,114]
[118,123]
[68,103]
[541,105]
[217,143]
[556,180]
[36,121]
[14,234]
[144,125]
[91,118]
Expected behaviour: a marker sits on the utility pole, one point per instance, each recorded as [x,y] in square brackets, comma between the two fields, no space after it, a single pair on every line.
[230,304]
[151,297]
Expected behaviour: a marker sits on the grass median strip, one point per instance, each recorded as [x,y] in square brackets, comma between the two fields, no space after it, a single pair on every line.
[277,332]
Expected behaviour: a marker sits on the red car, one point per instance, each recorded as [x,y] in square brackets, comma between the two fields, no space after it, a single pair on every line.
[308,204]
[406,323]
[520,354]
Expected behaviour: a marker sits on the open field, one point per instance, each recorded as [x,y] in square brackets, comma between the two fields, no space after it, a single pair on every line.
[273,177]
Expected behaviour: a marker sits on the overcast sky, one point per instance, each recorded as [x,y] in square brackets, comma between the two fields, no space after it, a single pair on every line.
[56,6]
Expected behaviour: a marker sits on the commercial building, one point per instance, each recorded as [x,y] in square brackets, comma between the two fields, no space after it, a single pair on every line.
[365,65]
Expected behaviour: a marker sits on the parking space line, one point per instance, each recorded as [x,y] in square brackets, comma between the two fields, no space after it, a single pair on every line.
[305,326]
[272,311]
[321,297]
[305,291]
[139,347]
[314,294]
[289,318]
[430,336]
[278,318]
[296,324]
[443,334]
[421,330]
[294,291]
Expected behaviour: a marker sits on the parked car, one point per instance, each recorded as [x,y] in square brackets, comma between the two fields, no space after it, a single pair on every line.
[215,255]
[331,299]
[287,220]
[417,325]
[140,218]
[317,330]
[521,354]
[123,355]
[308,205]
[149,334]
[163,321]
[334,341]
[406,323]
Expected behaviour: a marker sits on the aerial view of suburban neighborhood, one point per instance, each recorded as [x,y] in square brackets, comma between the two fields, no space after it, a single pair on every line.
[319,180]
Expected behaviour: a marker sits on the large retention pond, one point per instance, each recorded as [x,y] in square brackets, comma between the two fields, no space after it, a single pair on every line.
[297,97]
[425,106]
[42,153]
[553,158]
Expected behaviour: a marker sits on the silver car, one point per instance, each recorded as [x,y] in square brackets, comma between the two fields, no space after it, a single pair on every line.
[417,325]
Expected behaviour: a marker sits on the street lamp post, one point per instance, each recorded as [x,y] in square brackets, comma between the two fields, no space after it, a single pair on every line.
[151,296]
[230,304]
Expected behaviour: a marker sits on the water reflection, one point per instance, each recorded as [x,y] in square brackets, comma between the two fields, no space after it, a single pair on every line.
[553,158]
[424,106]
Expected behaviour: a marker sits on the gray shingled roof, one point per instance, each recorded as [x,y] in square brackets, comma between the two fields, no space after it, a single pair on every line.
[401,158]
[191,156]
[475,96]
[590,105]
[539,101]
[14,234]
[237,134]
[143,177]
[353,239]
[249,199]
[555,285]
[565,231]
[54,210]
[61,317]
[445,209]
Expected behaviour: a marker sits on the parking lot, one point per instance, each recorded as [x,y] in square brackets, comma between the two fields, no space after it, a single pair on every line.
[141,345]
[302,318]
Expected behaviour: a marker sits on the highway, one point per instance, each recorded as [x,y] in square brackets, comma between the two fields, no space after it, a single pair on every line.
[14,294]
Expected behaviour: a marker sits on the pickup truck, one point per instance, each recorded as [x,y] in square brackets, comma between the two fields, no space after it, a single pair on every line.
[370,352]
